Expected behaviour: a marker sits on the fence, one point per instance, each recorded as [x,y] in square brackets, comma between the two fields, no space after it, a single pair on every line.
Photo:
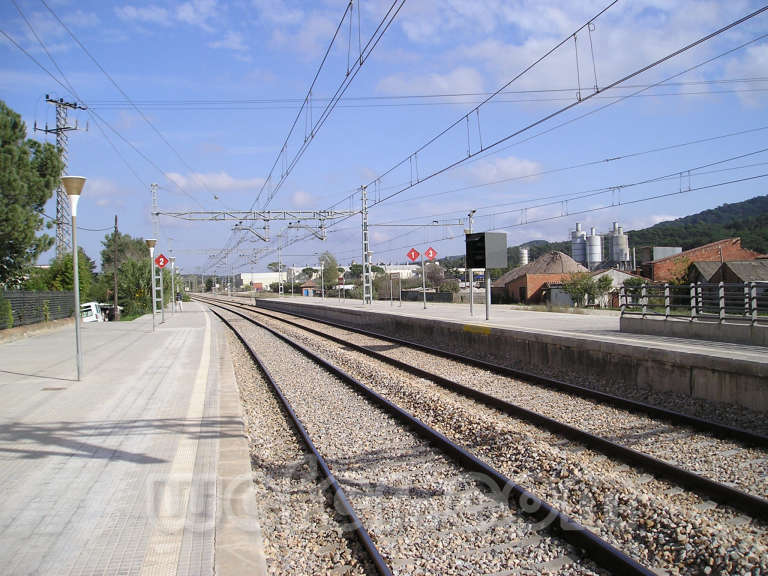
[34,307]
[740,303]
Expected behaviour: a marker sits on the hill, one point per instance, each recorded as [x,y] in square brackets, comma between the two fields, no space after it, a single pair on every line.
[747,220]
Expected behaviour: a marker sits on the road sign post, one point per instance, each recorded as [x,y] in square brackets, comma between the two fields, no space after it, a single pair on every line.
[161,262]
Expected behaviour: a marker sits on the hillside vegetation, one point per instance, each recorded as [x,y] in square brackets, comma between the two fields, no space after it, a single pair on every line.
[747,220]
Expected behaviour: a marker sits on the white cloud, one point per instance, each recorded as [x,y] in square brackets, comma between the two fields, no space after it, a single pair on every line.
[197,13]
[231,41]
[103,192]
[496,169]
[301,199]
[312,35]
[215,182]
[753,63]
[459,80]
[152,14]
[278,12]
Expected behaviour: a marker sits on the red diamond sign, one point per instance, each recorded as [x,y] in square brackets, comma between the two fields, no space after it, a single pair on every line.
[431,253]
[413,254]
[161,261]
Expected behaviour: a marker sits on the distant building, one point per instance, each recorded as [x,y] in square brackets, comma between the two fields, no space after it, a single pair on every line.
[308,288]
[557,295]
[524,283]
[702,271]
[675,267]
[405,270]
[737,272]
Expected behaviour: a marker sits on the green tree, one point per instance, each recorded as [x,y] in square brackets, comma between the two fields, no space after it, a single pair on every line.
[128,248]
[59,276]
[434,273]
[29,172]
[308,273]
[275,267]
[330,266]
[134,286]
[355,271]
[577,286]
[208,284]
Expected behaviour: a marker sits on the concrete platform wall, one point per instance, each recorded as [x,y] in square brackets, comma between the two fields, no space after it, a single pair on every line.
[697,375]
[700,330]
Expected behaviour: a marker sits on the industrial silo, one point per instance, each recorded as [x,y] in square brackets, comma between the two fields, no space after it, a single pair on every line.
[523,256]
[618,245]
[579,245]
[594,249]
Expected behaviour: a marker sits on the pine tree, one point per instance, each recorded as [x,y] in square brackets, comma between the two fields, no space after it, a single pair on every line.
[29,172]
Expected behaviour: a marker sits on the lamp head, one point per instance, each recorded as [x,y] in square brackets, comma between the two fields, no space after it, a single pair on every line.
[73,185]
[150,242]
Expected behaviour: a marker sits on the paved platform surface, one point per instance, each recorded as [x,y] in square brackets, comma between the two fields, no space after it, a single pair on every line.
[596,327]
[141,467]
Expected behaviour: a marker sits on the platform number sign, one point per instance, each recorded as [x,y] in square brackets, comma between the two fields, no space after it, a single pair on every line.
[413,254]
[431,253]
[161,261]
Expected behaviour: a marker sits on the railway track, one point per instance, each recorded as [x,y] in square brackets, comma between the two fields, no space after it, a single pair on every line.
[429,505]
[635,507]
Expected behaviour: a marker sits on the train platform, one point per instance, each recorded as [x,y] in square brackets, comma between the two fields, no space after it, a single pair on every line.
[596,325]
[141,467]
[575,347]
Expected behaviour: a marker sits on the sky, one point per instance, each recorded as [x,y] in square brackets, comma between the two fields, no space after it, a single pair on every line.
[200,97]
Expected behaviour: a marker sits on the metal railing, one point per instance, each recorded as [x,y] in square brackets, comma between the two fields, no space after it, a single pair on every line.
[732,302]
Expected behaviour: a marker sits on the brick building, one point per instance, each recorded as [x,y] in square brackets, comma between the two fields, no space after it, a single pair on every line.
[675,267]
[524,283]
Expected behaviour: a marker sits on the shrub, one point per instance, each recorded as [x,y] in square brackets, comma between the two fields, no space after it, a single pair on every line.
[6,313]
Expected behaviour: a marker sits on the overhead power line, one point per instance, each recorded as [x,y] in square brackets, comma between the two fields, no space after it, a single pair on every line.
[483,149]
[128,99]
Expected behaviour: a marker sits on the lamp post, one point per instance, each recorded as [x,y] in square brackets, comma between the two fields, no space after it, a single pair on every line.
[173,283]
[322,279]
[74,186]
[151,245]
[470,272]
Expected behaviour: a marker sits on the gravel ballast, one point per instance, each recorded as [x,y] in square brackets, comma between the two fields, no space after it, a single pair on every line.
[425,514]
[656,522]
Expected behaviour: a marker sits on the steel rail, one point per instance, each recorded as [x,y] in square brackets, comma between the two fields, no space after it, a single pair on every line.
[604,397]
[753,506]
[339,497]
[599,550]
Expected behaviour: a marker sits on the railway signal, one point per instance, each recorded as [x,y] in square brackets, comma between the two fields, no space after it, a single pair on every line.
[431,254]
[413,254]
[161,261]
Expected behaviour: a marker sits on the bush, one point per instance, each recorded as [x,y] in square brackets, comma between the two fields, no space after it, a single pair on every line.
[451,285]
[6,313]
[46,311]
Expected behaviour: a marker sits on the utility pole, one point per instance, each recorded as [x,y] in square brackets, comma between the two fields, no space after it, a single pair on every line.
[367,283]
[63,210]
[115,263]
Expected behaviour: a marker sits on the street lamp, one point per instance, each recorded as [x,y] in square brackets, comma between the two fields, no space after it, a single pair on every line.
[173,282]
[151,245]
[74,186]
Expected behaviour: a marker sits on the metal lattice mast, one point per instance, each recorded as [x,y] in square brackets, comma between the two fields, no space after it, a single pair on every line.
[63,210]
[155,212]
[367,282]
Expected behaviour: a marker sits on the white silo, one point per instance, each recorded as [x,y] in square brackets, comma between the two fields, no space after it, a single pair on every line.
[618,245]
[594,249]
[622,246]
[579,245]
[523,256]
